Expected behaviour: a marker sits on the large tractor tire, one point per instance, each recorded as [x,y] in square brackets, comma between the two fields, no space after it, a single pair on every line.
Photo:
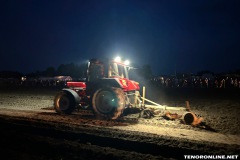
[64,103]
[108,103]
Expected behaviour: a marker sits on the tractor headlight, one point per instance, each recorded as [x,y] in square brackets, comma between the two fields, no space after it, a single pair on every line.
[127,62]
[117,59]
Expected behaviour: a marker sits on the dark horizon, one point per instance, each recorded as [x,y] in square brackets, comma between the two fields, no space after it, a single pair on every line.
[176,36]
[81,69]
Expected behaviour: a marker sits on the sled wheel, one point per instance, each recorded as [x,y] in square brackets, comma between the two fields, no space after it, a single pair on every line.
[108,102]
[64,103]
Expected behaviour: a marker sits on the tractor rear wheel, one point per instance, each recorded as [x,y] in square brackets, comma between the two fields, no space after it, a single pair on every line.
[64,103]
[108,102]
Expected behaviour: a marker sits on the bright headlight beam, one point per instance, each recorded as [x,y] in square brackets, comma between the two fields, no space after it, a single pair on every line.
[127,62]
[117,59]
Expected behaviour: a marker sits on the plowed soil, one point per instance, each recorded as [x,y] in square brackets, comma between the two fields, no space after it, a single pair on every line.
[31,129]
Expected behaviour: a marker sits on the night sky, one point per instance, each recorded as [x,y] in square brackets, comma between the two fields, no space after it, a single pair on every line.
[186,35]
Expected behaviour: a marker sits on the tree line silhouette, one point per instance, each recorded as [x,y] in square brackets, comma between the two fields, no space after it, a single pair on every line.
[70,69]
[76,71]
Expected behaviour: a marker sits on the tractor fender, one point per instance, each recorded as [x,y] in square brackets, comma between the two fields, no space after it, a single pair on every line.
[110,82]
[93,86]
[76,97]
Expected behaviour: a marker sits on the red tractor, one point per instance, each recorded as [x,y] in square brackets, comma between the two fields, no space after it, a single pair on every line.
[107,90]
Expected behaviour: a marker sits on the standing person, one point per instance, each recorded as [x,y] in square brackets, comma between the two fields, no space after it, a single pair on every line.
[216,83]
[206,82]
[236,83]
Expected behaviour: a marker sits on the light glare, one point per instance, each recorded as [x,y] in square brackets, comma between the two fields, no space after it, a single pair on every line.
[117,59]
[127,62]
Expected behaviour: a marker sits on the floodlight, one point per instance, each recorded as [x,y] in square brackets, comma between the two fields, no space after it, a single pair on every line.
[127,62]
[117,59]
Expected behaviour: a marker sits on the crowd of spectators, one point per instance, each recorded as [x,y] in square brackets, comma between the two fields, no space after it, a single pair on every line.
[196,82]
[179,81]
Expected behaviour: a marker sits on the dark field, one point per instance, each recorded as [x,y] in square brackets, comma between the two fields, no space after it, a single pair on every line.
[30,129]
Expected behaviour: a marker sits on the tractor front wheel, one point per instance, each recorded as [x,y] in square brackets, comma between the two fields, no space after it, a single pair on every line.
[108,102]
[64,103]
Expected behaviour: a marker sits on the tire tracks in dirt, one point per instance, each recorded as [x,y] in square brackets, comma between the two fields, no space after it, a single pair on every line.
[118,140]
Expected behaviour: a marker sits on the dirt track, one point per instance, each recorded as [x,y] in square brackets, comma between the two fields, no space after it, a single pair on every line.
[28,113]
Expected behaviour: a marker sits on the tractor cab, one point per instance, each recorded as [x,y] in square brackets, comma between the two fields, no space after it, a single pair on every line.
[106,69]
[113,73]
[117,69]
